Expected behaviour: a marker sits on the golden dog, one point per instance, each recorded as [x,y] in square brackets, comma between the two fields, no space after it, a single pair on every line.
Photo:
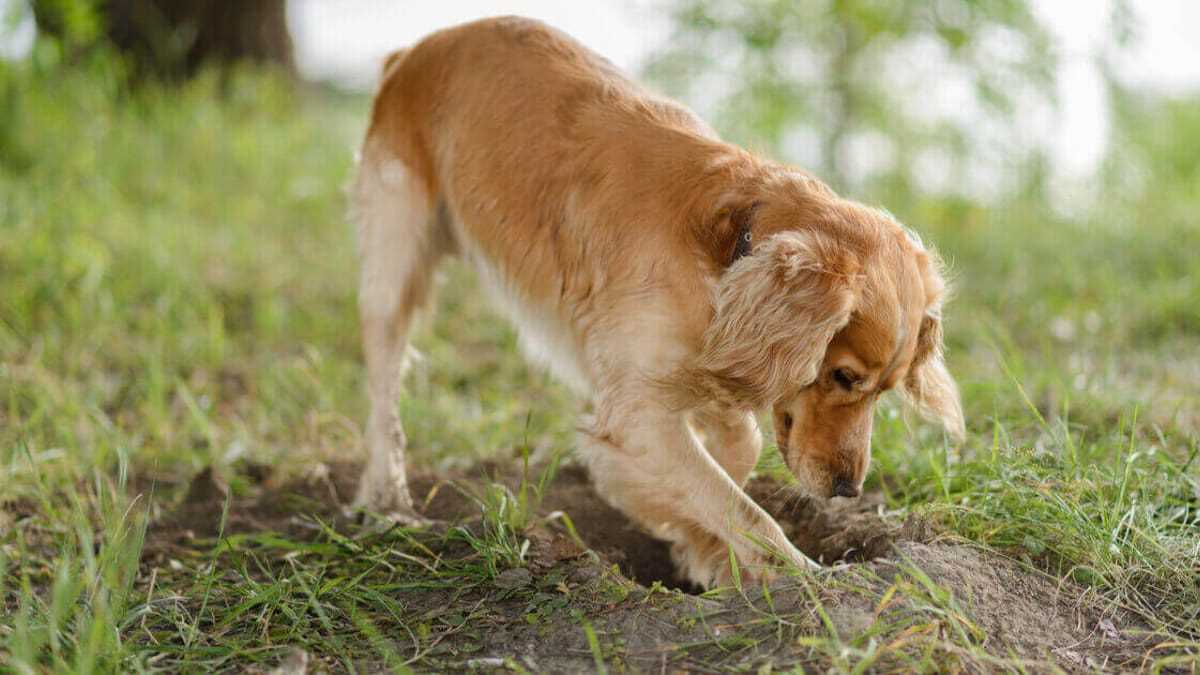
[676,280]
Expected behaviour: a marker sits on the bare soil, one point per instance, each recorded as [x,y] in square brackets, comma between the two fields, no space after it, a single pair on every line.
[1005,607]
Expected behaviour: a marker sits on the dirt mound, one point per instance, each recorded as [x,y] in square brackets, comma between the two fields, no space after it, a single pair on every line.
[1021,611]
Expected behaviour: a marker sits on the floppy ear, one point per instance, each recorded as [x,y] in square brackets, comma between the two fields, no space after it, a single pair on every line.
[776,311]
[928,385]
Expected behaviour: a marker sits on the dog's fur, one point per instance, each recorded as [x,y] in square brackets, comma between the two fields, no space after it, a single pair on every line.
[611,225]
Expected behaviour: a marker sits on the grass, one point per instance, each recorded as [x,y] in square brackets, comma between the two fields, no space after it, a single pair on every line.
[177,292]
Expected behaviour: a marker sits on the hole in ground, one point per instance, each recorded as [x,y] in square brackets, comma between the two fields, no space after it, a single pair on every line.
[827,532]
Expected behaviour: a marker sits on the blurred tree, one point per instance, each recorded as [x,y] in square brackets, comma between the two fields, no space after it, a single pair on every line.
[852,82]
[172,39]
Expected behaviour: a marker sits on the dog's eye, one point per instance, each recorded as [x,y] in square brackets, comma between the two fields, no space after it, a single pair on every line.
[845,378]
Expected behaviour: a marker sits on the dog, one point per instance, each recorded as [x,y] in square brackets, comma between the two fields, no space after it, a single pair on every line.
[678,282]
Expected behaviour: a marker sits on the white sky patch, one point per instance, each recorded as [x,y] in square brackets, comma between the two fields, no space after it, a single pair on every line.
[346,40]
[17,29]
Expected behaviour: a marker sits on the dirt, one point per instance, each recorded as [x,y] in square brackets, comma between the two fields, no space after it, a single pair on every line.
[1000,605]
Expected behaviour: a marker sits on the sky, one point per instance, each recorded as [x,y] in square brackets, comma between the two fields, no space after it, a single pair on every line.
[345,39]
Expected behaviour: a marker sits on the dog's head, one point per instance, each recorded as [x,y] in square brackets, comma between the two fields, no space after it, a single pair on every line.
[832,305]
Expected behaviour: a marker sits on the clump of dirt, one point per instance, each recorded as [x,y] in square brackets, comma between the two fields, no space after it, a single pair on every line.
[838,530]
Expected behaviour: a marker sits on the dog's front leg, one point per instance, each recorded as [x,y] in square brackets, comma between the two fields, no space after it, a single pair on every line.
[732,438]
[647,462]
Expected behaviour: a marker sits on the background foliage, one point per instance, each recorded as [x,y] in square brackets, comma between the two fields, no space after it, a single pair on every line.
[864,84]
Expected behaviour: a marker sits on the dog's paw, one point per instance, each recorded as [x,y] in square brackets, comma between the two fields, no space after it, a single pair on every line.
[386,519]
[387,505]
[701,564]
[706,561]
[409,519]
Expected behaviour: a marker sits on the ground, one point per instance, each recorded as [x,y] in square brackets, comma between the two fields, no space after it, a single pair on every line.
[972,607]
[181,393]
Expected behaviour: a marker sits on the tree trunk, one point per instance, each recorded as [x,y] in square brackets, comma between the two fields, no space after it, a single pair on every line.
[173,39]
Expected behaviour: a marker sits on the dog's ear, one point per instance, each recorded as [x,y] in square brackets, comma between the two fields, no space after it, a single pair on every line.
[928,385]
[776,311]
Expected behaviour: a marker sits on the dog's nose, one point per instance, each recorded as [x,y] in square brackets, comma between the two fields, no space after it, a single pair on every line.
[844,487]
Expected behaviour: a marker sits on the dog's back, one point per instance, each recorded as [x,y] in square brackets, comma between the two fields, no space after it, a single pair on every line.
[518,128]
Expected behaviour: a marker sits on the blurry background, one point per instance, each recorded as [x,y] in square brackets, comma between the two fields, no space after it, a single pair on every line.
[950,68]
[819,87]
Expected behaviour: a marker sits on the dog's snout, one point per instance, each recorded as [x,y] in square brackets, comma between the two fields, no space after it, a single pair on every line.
[844,487]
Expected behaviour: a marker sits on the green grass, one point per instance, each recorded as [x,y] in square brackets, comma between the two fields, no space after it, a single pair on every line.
[177,291]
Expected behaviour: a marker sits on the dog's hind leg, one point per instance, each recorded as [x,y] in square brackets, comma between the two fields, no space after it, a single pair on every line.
[401,238]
